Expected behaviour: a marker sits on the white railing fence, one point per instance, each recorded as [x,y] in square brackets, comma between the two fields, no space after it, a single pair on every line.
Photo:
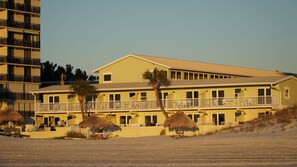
[213,103]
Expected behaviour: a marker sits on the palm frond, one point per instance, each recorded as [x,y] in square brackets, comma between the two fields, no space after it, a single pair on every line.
[83,88]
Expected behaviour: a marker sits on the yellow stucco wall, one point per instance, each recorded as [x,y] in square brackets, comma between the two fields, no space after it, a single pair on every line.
[291,85]
[3,14]
[125,70]
[3,33]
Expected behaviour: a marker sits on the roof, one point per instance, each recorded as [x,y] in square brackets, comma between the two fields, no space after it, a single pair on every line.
[176,84]
[199,66]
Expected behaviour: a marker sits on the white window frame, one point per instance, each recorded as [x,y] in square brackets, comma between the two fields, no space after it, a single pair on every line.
[107,74]
[53,99]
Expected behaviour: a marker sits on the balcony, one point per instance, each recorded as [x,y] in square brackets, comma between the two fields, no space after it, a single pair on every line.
[20,42]
[19,78]
[185,104]
[14,96]
[20,24]
[33,61]
[21,7]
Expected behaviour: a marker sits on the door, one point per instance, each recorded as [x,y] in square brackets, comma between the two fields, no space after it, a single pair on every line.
[114,101]
[217,97]
[27,74]
[27,56]
[27,20]
[264,96]
[192,98]
[53,100]
[221,97]
[163,97]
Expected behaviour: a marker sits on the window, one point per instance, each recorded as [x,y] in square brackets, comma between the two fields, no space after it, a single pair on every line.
[287,93]
[236,92]
[125,119]
[71,96]
[201,76]
[191,76]
[91,97]
[143,96]
[211,76]
[151,120]
[173,73]
[205,76]
[194,117]
[186,75]
[131,94]
[218,97]
[107,77]
[218,119]
[114,101]
[52,101]
[163,97]
[178,75]
[192,98]
[264,96]
[196,75]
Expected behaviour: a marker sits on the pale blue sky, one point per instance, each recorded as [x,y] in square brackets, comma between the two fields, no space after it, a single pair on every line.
[250,33]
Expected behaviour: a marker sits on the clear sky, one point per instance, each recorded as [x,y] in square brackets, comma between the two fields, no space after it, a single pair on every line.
[250,33]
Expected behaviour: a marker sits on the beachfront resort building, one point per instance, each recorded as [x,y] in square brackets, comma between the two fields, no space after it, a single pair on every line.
[19,54]
[210,94]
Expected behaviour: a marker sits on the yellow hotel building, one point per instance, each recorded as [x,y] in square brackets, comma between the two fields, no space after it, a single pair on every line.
[19,54]
[210,94]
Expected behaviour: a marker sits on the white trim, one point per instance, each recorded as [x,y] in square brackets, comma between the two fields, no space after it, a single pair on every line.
[129,55]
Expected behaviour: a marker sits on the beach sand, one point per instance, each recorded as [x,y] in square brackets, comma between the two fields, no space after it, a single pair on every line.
[267,148]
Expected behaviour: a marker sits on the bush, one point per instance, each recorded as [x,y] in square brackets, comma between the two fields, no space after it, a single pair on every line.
[75,134]
[285,115]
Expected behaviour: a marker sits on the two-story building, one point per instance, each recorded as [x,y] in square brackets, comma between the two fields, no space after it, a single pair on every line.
[210,94]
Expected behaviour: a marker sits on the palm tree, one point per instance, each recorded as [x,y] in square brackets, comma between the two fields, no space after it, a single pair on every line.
[82,88]
[156,79]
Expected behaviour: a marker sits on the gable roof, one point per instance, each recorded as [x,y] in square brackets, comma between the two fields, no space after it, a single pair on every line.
[175,84]
[176,64]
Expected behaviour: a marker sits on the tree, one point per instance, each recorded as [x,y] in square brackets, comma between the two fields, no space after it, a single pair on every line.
[82,88]
[80,75]
[156,79]
[51,72]
[48,71]
[69,72]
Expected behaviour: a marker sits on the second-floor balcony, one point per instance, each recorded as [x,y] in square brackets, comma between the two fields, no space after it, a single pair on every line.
[17,60]
[16,96]
[19,6]
[19,78]
[20,24]
[20,42]
[185,104]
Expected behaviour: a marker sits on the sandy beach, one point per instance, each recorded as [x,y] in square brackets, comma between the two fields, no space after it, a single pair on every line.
[222,149]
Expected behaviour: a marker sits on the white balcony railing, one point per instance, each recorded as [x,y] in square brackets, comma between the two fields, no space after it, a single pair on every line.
[214,103]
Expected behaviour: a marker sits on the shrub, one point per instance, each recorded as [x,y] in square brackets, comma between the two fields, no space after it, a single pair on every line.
[285,115]
[75,134]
